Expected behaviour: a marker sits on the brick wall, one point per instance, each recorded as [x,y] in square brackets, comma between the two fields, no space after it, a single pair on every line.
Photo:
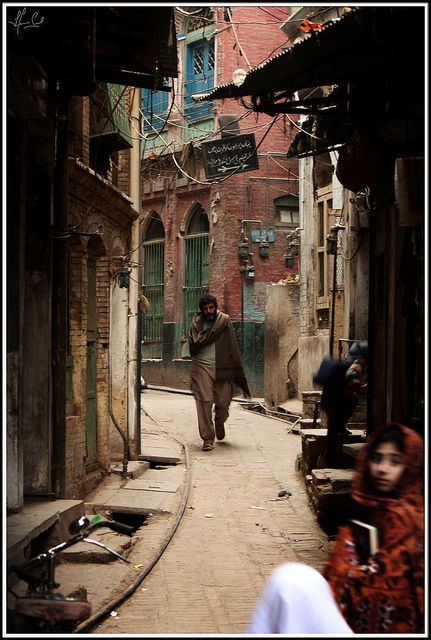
[243,196]
[115,233]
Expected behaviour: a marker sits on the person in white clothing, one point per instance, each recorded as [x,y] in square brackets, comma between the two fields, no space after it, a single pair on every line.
[297,600]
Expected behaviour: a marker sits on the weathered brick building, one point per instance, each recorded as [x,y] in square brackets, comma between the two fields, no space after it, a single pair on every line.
[71,211]
[227,233]
[363,99]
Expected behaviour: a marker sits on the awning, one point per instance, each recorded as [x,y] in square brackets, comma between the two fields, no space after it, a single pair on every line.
[82,45]
[367,46]
[372,73]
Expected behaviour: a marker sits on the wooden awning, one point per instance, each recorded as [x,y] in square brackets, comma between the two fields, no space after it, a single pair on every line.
[373,75]
[81,45]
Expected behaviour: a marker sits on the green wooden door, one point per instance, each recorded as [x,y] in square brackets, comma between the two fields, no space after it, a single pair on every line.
[196,265]
[153,288]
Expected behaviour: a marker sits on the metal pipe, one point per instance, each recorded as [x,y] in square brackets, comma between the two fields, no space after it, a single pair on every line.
[133,366]
[276,154]
[272,179]
[266,193]
[334,284]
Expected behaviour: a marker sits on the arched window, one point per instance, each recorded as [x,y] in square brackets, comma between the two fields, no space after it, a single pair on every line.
[153,288]
[196,263]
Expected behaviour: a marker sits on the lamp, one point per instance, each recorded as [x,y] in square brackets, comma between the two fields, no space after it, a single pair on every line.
[123,277]
[239,77]
[332,239]
[289,260]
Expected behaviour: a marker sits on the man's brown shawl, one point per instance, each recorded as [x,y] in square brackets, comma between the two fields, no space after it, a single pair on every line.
[228,357]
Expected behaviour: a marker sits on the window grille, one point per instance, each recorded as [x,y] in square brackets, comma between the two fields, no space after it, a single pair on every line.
[154,106]
[153,289]
[201,20]
[199,78]
[286,212]
[196,266]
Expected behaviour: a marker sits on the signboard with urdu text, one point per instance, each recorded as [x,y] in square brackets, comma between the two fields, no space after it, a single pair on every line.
[234,154]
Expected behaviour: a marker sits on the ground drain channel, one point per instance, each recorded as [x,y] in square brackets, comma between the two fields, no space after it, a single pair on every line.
[134,520]
[279,414]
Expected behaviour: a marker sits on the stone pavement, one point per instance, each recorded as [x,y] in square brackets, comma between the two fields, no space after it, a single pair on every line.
[214,525]
[235,529]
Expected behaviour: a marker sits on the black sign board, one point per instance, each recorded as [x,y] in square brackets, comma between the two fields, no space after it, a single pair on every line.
[235,154]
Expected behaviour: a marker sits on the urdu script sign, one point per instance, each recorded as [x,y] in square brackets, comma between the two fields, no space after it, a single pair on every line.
[234,154]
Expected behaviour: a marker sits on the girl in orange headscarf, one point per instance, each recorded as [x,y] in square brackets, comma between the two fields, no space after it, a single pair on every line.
[385,592]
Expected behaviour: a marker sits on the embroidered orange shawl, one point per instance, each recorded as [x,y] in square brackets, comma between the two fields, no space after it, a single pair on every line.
[387,595]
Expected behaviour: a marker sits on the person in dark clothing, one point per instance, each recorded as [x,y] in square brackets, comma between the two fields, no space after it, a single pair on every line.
[341,381]
[216,369]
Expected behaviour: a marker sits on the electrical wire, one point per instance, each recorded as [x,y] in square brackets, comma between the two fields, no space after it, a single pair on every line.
[303,130]
[235,35]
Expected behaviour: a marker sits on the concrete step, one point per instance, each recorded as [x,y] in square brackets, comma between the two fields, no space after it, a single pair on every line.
[135,468]
[155,492]
[156,448]
[48,517]
[307,423]
[328,491]
[313,444]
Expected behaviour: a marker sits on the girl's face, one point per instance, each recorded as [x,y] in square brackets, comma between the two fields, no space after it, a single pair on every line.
[386,466]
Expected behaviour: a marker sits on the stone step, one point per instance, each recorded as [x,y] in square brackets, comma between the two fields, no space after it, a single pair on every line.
[308,423]
[313,444]
[328,491]
[48,517]
[135,468]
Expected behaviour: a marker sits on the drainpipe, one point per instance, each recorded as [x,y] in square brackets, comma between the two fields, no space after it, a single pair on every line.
[134,387]
[331,248]
[334,286]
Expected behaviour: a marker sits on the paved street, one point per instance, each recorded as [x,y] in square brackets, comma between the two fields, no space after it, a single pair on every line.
[234,531]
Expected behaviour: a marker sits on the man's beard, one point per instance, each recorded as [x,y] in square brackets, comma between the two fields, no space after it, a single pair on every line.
[210,317]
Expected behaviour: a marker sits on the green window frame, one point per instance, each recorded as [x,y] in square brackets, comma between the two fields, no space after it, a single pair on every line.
[153,289]
[286,212]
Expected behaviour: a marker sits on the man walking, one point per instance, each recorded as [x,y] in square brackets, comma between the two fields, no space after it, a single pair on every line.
[216,367]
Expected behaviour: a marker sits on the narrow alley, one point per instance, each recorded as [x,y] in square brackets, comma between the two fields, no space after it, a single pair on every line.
[235,529]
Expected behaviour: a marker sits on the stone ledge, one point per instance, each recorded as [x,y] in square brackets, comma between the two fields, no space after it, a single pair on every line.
[36,518]
[328,491]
